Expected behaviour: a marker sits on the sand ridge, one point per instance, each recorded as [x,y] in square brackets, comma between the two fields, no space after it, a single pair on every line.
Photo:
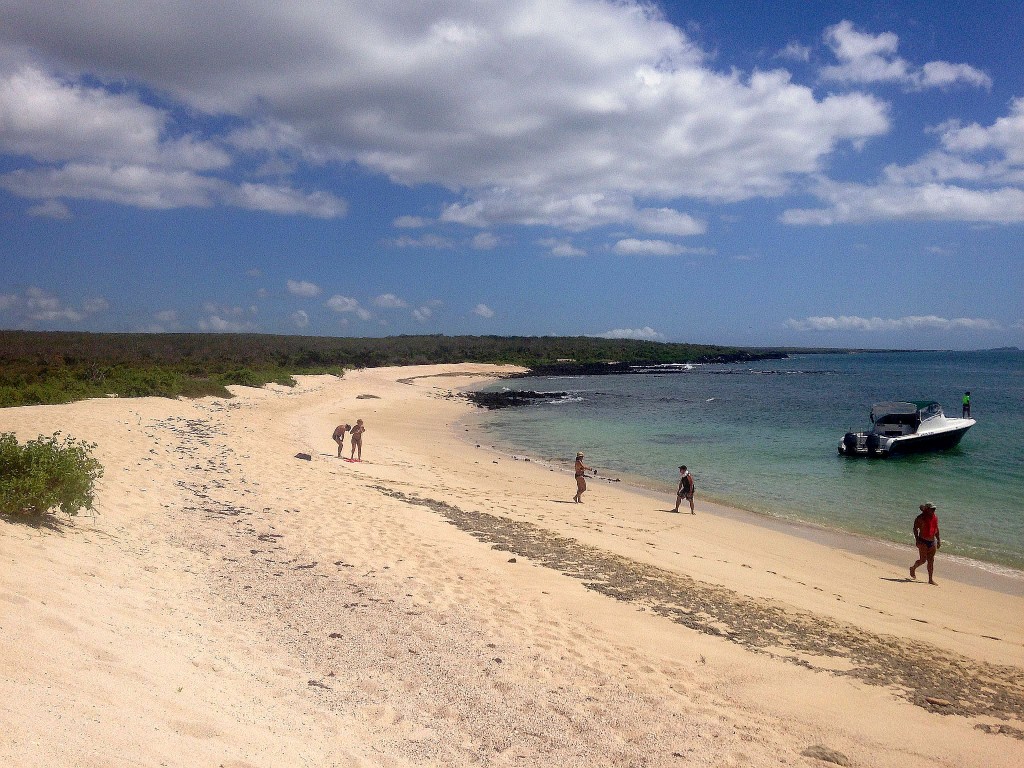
[252,608]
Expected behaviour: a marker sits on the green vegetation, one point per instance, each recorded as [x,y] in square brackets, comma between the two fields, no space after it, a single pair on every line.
[44,474]
[40,367]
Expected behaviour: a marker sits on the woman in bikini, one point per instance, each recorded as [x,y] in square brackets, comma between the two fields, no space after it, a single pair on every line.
[356,441]
[926,534]
[581,483]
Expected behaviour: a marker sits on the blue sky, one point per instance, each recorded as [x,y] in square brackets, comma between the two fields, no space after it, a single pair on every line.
[781,173]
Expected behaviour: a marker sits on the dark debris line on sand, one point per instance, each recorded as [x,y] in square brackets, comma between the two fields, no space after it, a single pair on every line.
[921,672]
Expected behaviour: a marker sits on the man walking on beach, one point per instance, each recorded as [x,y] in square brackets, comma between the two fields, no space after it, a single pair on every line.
[686,489]
[339,437]
[926,534]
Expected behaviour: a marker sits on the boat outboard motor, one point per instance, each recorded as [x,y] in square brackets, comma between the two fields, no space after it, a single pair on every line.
[850,442]
[873,442]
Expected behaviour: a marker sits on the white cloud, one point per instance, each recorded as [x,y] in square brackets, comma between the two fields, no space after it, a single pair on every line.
[560,113]
[89,142]
[643,334]
[217,324]
[166,316]
[926,202]
[347,305]
[562,248]
[483,310]
[303,288]
[51,209]
[389,301]
[36,305]
[795,51]
[947,184]
[484,241]
[409,222]
[634,247]
[300,319]
[422,314]
[426,241]
[845,323]
[865,58]
[92,306]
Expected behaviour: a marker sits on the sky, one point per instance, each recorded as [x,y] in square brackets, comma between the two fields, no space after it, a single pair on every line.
[840,174]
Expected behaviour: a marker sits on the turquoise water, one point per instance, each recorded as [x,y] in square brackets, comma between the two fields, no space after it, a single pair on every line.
[763,437]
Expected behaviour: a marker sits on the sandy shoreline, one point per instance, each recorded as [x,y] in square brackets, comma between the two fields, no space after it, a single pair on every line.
[977,573]
[440,604]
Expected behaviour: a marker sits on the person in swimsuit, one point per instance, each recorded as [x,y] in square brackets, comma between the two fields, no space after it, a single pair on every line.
[581,482]
[357,441]
[926,534]
[686,489]
[339,437]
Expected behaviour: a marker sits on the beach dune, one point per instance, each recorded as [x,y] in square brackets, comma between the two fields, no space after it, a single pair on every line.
[444,603]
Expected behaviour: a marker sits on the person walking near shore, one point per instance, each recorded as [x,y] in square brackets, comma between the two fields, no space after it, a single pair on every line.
[686,489]
[339,437]
[581,481]
[928,539]
[357,441]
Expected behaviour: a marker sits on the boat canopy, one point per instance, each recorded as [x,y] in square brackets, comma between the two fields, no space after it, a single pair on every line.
[924,408]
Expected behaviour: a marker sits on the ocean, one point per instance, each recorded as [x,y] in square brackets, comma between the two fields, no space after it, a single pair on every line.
[763,436]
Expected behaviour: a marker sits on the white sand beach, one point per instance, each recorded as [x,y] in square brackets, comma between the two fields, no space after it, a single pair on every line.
[444,604]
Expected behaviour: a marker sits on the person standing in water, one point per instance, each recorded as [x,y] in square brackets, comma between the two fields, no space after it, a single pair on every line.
[926,534]
[686,489]
[339,437]
[357,441]
[967,405]
[581,481]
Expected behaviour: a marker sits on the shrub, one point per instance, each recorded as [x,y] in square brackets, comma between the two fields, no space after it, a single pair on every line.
[46,473]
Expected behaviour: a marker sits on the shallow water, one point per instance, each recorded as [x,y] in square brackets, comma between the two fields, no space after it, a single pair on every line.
[763,437]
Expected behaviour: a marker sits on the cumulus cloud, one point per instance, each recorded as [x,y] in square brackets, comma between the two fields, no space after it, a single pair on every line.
[425,312]
[562,113]
[561,248]
[976,176]
[166,316]
[633,247]
[218,324]
[347,305]
[409,222]
[873,324]
[864,202]
[36,305]
[51,209]
[484,241]
[303,288]
[92,142]
[389,301]
[426,241]
[300,319]
[643,334]
[483,310]
[865,58]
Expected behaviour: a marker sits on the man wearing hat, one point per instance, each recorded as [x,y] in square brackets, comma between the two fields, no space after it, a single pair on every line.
[926,534]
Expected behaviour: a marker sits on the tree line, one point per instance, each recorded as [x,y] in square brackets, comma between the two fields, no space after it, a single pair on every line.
[40,367]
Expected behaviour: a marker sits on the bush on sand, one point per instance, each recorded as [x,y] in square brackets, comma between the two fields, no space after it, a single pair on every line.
[48,473]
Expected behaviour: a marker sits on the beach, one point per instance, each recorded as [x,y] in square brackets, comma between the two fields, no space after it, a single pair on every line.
[443,602]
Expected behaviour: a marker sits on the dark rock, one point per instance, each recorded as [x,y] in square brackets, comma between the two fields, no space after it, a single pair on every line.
[820,752]
[303,456]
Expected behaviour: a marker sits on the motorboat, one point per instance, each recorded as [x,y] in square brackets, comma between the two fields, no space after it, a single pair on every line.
[905,427]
